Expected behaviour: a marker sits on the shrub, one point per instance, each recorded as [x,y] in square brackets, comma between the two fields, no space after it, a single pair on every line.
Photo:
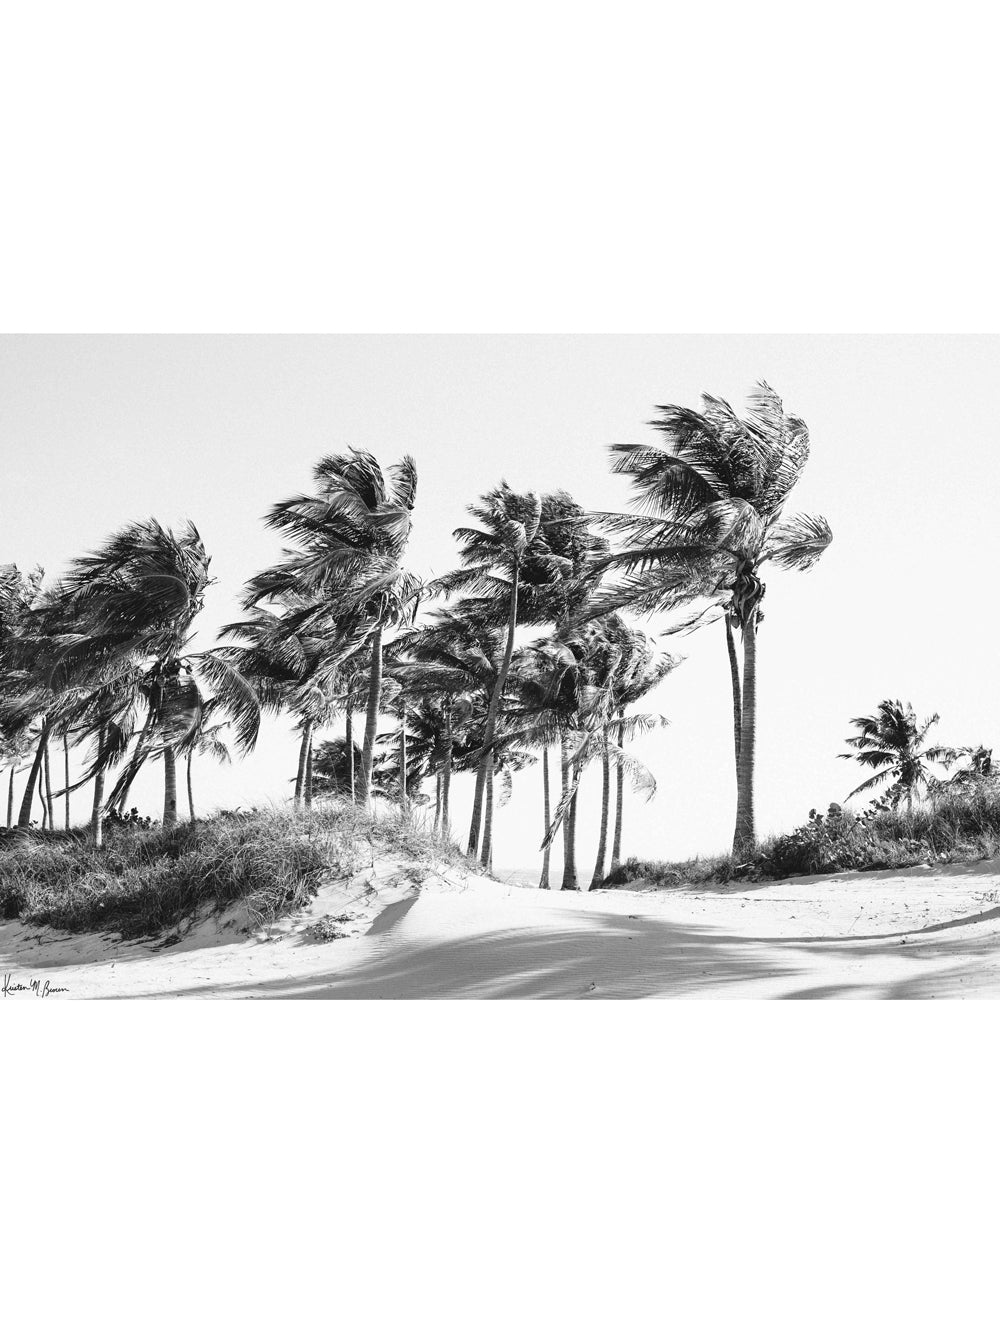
[961,825]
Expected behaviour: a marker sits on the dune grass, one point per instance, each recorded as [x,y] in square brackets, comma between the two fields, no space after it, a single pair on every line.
[960,827]
[146,881]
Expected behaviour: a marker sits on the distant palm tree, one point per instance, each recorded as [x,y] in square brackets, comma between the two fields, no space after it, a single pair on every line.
[296,653]
[713,502]
[350,538]
[641,671]
[890,740]
[543,674]
[207,740]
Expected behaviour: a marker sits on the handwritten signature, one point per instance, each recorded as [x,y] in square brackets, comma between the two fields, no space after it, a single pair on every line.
[36,987]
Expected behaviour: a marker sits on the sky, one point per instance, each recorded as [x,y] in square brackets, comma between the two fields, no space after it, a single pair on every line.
[100,431]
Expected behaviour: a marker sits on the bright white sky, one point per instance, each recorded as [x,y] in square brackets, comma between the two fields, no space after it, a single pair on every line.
[100,431]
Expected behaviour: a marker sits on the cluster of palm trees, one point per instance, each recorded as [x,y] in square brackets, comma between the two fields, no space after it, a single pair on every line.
[338,627]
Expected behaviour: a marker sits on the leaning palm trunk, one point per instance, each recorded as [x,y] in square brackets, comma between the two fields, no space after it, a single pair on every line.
[734,671]
[28,799]
[308,789]
[602,845]
[493,712]
[169,787]
[746,833]
[10,797]
[97,814]
[543,883]
[190,790]
[616,846]
[371,721]
[437,803]
[137,760]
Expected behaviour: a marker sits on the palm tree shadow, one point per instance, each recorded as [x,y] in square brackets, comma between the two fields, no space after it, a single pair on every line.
[618,958]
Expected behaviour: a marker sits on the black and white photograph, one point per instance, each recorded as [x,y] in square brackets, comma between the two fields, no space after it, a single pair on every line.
[517,667]
[498,509]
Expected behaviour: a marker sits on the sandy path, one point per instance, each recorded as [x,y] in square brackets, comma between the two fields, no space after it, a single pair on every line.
[912,934]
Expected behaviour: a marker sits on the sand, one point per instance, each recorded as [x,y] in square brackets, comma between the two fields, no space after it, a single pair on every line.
[418,934]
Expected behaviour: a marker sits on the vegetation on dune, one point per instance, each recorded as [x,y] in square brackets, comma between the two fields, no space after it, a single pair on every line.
[145,881]
[962,823]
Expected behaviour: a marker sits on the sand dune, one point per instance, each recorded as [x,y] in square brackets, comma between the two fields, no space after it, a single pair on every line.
[406,932]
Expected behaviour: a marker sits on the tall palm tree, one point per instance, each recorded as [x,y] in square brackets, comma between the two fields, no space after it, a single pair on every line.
[349,540]
[891,741]
[493,556]
[713,502]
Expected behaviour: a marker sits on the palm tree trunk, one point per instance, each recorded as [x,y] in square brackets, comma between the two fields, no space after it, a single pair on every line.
[569,880]
[28,799]
[616,846]
[349,743]
[437,804]
[492,713]
[734,671]
[97,814]
[543,883]
[449,746]
[602,845]
[402,758]
[66,773]
[572,823]
[190,760]
[486,858]
[300,767]
[169,787]
[48,789]
[300,772]
[308,788]
[10,797]
[371,721]
[745,835]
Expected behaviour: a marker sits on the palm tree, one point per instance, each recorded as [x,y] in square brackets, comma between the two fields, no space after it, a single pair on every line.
[713,501]
[349,540]
[457,658]
[206,741]
[891,741]
[544,676]
[493,556]
[640,673]
[129,607]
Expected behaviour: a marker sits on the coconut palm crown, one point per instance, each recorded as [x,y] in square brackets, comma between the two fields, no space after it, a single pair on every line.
[891,741]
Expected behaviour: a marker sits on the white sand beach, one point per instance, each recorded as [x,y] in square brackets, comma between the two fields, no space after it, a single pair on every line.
[413,933]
